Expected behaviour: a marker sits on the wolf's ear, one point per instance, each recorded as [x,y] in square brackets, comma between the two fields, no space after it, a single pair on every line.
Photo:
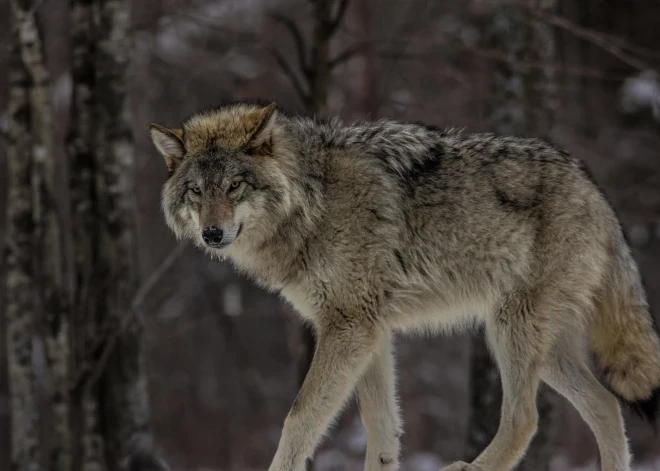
[169,143]
[261,135]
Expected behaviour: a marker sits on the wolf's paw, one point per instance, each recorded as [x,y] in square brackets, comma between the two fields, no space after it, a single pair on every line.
[462,466]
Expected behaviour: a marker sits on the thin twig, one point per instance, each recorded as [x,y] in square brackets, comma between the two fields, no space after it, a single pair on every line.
[613,47]
[35,7]
[156,276]
[597,40]
[290,74]
[89,375]
[297,37]
[347,55]
[498,56]
[339,15]
[587,33]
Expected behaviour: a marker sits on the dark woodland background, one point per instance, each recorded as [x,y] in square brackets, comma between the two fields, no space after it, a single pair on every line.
[115,335]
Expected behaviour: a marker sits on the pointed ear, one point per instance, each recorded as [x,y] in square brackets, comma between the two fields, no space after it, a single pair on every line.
[169,143]
[261,139]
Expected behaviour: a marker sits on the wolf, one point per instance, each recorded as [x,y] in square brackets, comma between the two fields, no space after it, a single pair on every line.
[376,228]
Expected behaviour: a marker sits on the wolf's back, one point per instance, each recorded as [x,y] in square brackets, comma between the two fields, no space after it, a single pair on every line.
[624,335]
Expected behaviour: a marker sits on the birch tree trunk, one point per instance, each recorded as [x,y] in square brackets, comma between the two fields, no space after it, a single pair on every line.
[20,309]
[124,384]
[111,398]
[37,306]
[87,301]
[524,104]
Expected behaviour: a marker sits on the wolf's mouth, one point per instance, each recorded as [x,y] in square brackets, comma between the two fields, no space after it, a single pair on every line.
[229,239]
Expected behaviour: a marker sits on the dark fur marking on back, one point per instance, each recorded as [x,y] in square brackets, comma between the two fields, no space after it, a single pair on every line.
[399,259]
[515,205]
[377,215]
[430,165]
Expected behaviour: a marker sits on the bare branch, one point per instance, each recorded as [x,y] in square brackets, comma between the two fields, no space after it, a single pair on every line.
[347,55]
[156,276]
[290,74]
[297,37]
[90,374]
[587,34]
[338,17]
[499,56]
[614,47]
[597,40]
[35,7]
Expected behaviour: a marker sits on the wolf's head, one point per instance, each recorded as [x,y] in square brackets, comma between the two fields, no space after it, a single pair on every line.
[227,172]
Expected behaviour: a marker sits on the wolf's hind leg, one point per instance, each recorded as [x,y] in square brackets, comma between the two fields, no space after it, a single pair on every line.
[379,410]
[519,349]
[568,373]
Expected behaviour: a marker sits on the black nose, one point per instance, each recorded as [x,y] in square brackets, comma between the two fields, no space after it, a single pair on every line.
[212,235]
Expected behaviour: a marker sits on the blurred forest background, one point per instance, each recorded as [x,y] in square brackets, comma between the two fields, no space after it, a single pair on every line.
[114,336]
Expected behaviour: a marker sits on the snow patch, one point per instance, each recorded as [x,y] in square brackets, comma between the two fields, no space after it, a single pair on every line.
[424,462]
[62,88]
[232,300]
[641,92]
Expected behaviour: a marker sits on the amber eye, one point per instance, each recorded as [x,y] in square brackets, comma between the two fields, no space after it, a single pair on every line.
[197,190]
[234,185]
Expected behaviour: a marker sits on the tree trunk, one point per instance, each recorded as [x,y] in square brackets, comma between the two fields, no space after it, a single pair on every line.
[365,84]
[87,301]
[319,71]
[539,85]
[125,401]
[20,312]
[37,305]
[524,104]
[111,399]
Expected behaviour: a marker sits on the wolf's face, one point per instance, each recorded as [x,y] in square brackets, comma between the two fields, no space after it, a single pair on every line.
[225,181]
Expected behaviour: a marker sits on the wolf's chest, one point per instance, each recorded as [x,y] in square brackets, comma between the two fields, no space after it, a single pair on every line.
[305,303]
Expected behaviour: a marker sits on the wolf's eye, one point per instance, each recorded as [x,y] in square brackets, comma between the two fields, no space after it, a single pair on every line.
[234,185]
[197,190]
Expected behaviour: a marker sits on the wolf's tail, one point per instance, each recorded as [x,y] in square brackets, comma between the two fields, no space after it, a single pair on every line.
[624,336]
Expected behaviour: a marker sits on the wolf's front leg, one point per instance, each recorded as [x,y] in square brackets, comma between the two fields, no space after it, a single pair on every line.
[344,348]
[379,410]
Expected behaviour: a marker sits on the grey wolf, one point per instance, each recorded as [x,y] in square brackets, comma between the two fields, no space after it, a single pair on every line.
[382,227]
